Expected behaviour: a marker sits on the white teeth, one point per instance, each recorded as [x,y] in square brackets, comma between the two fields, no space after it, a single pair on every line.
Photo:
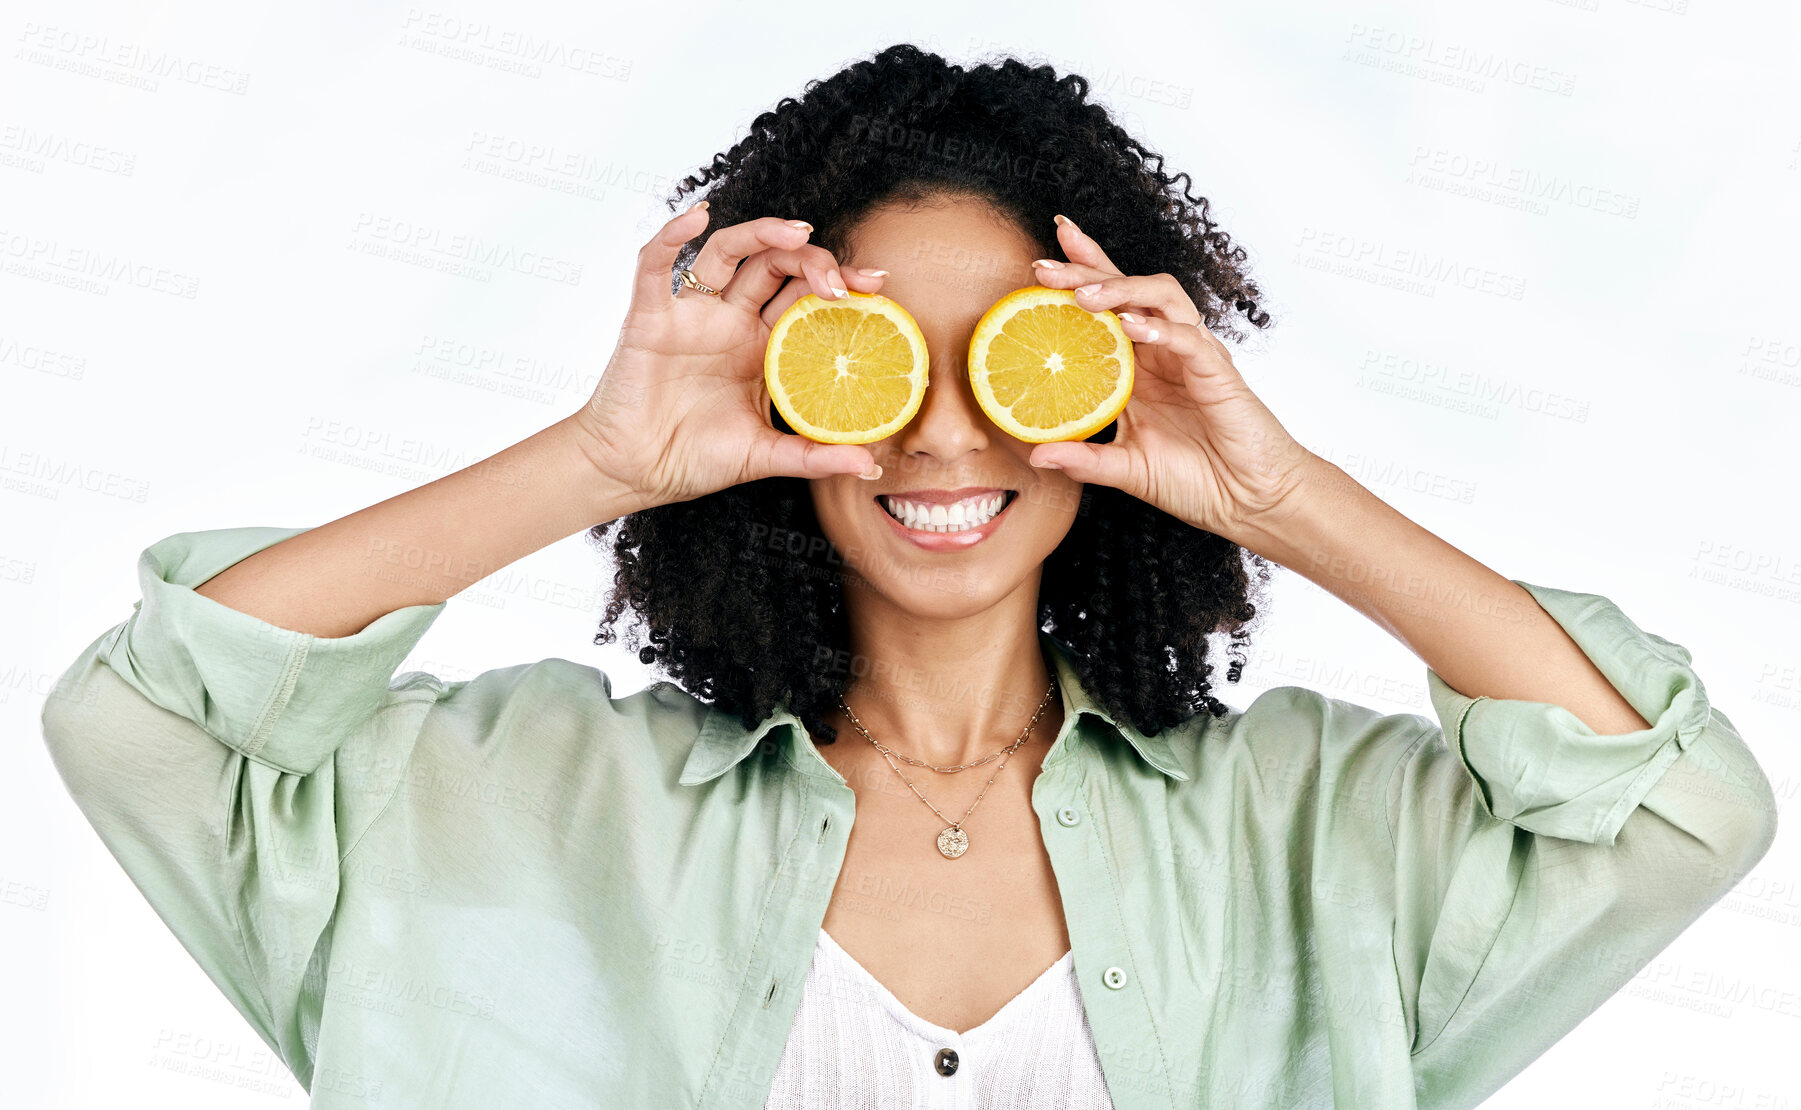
[932,517]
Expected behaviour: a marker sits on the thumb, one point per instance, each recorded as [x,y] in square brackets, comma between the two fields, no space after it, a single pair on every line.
[796,456]
[1107,464]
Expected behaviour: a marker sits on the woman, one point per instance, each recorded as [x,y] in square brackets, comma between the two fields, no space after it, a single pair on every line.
[521,890]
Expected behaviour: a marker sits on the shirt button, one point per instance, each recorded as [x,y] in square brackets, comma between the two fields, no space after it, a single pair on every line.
[946,1061]
[1114,977]
[1069,816]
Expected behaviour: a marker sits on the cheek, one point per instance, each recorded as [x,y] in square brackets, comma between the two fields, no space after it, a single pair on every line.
[833,504]
[849,520]
[1055,499]
[856,510]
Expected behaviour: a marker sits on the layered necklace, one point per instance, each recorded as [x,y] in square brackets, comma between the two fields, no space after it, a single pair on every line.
[953,840]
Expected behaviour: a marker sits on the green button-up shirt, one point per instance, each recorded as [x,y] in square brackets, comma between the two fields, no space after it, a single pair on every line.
[520,890]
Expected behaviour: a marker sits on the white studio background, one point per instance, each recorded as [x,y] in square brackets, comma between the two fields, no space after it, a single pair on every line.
[1532,268]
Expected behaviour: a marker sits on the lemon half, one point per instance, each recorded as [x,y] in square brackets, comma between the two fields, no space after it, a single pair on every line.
[851,370]
[1044,368]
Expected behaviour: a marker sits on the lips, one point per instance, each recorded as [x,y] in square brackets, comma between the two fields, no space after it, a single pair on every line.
[930,539]
[952,518]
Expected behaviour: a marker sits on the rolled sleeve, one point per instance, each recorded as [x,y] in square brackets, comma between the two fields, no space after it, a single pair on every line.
[231,766]
[282,698]
[1538,865]
[1539,767]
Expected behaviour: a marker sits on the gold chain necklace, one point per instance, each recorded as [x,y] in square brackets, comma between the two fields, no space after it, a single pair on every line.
[953,841]
[934,767]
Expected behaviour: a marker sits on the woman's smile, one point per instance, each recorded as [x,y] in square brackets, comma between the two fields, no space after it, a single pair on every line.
[946,520]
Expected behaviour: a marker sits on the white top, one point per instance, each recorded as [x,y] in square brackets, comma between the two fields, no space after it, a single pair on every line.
[853,1046]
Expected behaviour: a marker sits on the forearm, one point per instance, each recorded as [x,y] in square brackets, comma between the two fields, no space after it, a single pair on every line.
[428,544]
[1480,632]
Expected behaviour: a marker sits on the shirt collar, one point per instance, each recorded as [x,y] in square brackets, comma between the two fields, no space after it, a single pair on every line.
[724,741]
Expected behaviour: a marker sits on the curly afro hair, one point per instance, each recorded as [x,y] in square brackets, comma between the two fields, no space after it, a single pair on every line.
[740,589]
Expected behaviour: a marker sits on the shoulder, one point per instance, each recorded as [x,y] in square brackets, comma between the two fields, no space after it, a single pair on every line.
[1300,736]
[558,712]
[1304,716]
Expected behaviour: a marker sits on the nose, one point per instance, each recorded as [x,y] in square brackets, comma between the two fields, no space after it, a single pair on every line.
[949,423]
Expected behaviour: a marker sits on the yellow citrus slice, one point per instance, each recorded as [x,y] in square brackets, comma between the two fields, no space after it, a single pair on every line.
[1044,368]
[853,370]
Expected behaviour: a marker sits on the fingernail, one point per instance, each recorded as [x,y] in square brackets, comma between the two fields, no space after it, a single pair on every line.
[703,204]
[1090,289]
[1048,465]
[802,224]
[1049,263]
[872,273]
[1062,219]
[835,282]
[874,472]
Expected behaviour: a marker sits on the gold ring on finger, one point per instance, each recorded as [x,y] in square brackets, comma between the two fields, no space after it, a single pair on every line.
[692,282]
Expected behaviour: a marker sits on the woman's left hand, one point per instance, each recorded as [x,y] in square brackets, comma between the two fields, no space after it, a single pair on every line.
[1193,440]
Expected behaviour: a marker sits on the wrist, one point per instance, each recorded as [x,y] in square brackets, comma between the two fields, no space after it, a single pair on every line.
[1298,525]
[607,497]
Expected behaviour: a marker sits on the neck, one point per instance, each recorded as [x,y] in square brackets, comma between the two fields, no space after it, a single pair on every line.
[952,699]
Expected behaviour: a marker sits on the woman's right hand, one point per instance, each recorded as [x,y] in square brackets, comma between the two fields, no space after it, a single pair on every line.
[682,409]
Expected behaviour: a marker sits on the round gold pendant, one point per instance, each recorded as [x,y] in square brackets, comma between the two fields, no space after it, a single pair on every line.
[953,842]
